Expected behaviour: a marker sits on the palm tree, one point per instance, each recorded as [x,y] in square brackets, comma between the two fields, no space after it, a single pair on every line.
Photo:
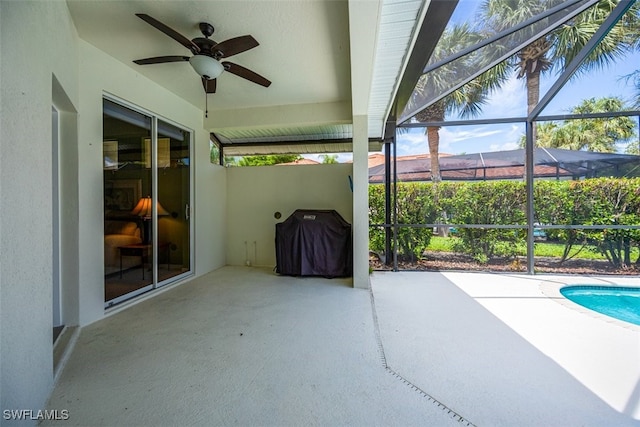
[557,49]
[597,134]
[635,78]
[467,100]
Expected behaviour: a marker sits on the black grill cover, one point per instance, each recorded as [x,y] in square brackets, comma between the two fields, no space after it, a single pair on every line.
[314,243]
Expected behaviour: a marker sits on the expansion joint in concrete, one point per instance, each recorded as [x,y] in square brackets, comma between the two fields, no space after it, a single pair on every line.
[383,359]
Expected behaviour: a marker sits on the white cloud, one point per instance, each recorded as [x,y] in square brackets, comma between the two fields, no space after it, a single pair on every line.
[509,101]
[412,143]
[345,157]
[464,139]
[474,133]
[470,139]
[504,147]
[342,157]
[516,132]
[413,138]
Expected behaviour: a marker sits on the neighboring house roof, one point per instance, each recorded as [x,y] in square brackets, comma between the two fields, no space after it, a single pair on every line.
[378,158]
[549,163]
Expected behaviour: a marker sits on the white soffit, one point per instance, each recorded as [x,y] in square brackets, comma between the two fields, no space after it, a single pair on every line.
[290,140]
[308,148]
[400,20]
[299,133]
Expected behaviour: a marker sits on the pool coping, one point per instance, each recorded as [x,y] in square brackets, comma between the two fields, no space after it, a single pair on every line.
[551,289]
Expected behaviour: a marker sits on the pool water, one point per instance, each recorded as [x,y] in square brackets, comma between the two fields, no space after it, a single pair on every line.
[620,303]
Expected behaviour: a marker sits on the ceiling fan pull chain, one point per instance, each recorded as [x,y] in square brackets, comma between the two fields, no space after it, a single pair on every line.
[206,105]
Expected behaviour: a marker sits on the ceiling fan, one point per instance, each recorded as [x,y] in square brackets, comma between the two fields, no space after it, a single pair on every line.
[207,54]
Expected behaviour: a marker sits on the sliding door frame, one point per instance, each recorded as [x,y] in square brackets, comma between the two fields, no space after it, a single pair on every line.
[154,196]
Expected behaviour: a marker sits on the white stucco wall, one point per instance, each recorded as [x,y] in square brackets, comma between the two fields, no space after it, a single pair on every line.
[38,40]
[99,73]
[43,62]
[255,193]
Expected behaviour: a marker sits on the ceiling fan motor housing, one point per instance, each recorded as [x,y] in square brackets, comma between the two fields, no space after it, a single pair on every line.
[206,29]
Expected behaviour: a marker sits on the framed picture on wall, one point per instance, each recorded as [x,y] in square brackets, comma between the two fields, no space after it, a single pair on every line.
[110,155]
[164,153]
[121,195]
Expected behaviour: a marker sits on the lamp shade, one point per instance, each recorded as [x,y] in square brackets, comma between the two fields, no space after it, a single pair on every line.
[206,66]
[143,208]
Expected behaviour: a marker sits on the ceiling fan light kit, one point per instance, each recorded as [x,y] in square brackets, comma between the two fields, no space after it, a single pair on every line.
[206,66]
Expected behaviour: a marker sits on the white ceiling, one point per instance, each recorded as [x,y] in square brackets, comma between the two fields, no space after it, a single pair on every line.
[305,50]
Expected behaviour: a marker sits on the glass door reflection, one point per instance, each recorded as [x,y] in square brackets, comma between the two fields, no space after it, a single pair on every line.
[128,253]
[174,198]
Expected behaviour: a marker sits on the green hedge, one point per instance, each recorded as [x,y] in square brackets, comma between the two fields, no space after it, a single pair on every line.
[416,205]
[600,201]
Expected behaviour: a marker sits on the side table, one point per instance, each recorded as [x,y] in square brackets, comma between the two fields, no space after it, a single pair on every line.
[142,250]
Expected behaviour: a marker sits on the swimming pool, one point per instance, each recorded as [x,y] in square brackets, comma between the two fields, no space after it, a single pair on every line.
[617,302]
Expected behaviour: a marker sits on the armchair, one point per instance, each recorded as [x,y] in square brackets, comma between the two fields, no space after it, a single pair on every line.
[116,234]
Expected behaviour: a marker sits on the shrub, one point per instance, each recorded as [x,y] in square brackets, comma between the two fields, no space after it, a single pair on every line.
[598,201]
[556,203]
[376,216]
[613,202]
[415,205]
[497,202]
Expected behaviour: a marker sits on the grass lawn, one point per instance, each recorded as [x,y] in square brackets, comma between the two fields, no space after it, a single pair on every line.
[541,249]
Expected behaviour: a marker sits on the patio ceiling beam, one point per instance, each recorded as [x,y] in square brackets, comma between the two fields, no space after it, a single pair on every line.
[364,21]
[280,116]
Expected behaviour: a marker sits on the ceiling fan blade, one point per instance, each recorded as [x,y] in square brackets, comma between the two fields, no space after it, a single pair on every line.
[161,60]
[234,46]
[170,32]
[245,73]
[209,85]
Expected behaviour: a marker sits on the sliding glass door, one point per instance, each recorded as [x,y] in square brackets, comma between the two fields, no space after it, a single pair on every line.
[174,200]
[147,195]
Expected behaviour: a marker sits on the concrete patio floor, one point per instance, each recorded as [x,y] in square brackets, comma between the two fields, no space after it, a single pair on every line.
[243,346]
